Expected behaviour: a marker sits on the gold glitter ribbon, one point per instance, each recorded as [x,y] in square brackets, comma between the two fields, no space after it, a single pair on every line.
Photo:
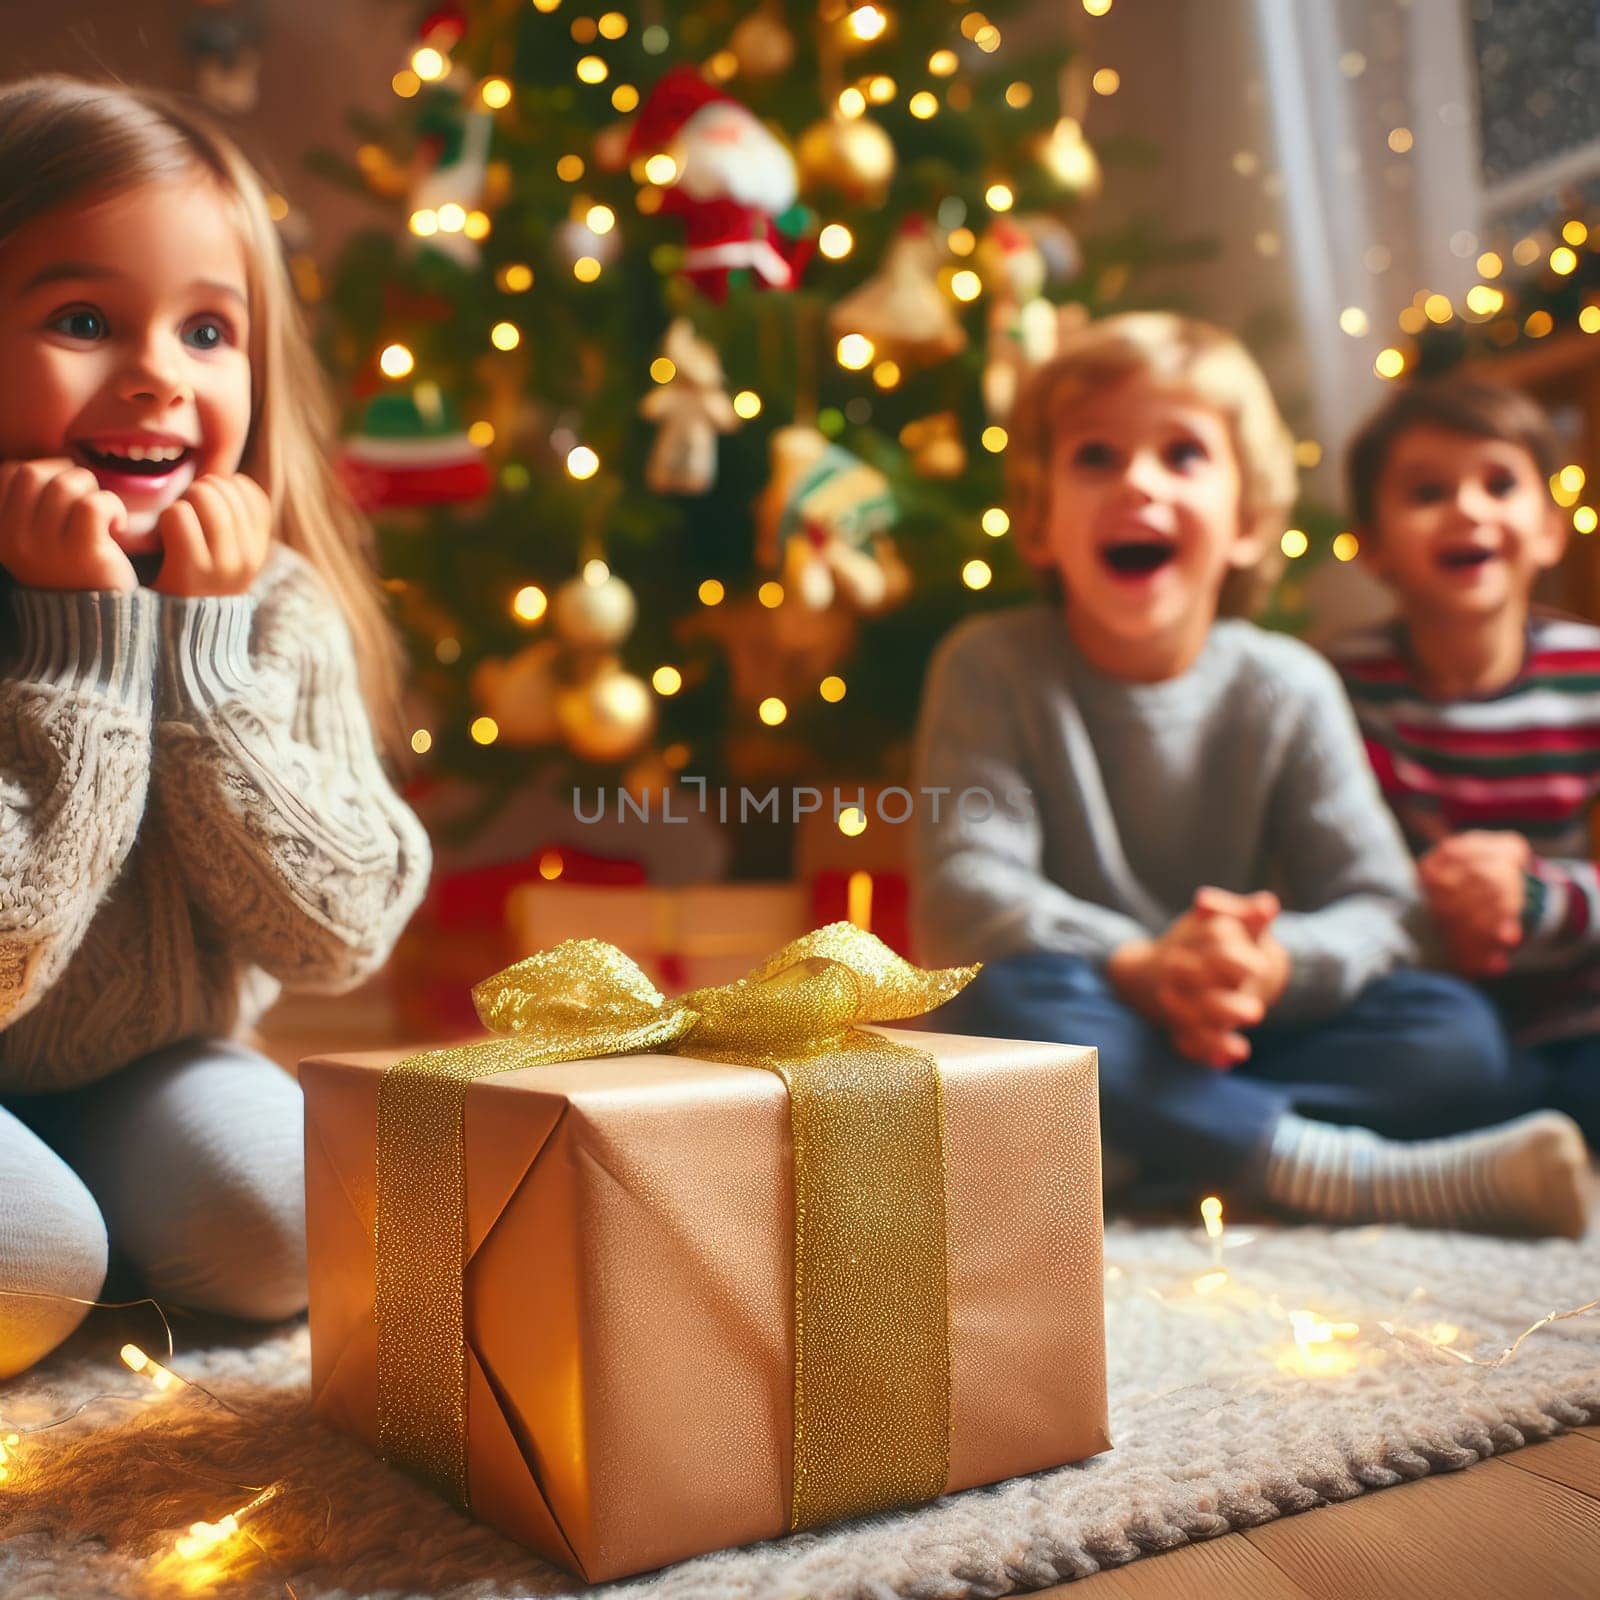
[872,1359]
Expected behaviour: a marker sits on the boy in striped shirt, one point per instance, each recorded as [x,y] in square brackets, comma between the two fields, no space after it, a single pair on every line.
[1481,718]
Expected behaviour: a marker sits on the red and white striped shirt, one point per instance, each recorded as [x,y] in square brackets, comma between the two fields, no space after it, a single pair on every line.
[1526,759]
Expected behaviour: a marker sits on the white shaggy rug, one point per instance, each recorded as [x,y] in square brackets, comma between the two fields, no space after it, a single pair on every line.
[1220,1420]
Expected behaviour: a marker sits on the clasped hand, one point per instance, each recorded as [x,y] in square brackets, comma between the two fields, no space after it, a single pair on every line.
[1215,972]
[60,530]
[1476,885]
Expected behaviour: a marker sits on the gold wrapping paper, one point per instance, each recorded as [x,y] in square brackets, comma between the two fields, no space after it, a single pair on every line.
[871,1385]
[628,1290]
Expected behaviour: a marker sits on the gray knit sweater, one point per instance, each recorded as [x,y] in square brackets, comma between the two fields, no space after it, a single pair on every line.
[1244,772]
[192,815]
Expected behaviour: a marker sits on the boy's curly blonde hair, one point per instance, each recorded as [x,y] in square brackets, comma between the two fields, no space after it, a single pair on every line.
[1176,352]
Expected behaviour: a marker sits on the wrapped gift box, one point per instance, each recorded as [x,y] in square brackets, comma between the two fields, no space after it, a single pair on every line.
[699,934]
[628,1289]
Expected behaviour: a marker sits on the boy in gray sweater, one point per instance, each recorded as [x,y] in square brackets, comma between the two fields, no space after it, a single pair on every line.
[1122,775]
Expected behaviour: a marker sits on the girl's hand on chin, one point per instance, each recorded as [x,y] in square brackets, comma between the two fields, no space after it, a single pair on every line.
[215,538]
[58,528]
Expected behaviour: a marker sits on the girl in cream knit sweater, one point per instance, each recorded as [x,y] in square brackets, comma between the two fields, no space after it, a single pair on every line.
[193,811]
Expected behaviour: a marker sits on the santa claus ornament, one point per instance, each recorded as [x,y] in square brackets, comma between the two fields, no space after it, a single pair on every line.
[733,183]
[690,409]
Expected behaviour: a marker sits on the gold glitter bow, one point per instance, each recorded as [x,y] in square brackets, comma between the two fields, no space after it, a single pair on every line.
[872,1361]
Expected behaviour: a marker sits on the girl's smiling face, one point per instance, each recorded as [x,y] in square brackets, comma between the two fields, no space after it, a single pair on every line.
[124,344]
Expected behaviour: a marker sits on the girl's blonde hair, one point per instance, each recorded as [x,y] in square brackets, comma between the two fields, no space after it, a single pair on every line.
[1176,352]
[64,141]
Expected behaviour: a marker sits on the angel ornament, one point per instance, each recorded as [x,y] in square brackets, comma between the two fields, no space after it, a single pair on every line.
[690,409]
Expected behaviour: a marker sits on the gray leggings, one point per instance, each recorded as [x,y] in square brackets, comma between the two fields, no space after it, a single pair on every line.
[191,1158]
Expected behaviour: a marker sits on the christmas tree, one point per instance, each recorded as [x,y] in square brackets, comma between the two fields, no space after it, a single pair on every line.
[679,386]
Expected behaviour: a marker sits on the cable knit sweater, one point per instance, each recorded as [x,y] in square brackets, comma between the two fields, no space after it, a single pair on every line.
[192,815]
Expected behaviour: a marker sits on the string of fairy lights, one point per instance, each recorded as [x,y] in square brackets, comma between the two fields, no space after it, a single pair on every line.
[199,1553]
[1065,153]
[1321,1344]
[1303,1342]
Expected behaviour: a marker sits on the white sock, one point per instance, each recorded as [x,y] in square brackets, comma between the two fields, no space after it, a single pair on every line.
[1529,1175]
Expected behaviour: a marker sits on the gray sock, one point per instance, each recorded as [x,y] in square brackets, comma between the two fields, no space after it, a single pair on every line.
[1528,1175]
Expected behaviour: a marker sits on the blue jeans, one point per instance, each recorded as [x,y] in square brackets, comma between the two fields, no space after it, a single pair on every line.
[1565,1074]
[1414,1055]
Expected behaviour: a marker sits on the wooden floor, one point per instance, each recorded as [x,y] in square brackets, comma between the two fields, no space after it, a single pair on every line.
[1524,1526]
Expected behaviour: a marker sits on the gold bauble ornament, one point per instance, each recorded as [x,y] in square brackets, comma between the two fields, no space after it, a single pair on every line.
[594,615]
[852,156]
[607,717]
[762,46]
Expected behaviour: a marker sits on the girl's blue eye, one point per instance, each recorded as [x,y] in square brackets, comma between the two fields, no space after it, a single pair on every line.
[1501,484]
[1092,453]
[81,324]
[206,333]
[1185,451]
[1427,494]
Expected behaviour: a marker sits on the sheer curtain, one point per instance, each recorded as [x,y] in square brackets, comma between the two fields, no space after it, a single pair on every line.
[1372,114]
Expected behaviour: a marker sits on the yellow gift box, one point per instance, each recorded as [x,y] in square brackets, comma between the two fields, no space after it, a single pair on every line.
[641,1278]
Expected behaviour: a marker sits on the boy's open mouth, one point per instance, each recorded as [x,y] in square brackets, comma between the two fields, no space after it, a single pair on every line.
[1465,557]
[1137,558]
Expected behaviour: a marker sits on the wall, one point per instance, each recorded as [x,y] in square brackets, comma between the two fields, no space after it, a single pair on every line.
[320,57]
